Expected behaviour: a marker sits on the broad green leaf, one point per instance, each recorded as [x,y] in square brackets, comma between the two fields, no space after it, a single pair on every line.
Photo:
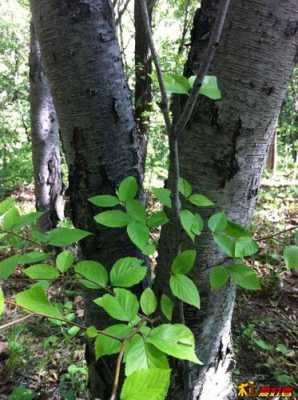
[167,306]
[157,219]
[136,210]
[105,200]
[61,237]
[291,256]
[105,345]
[191,223]
[200,200]
[184,262]
[210,88]
[6,204]
[36,301]
[11,218]
[175,340]
[235,230]
[123,306]
[93,272]
[113,219]
[28,219]
[138,233]
[244,276]
[8,266]
[176,84]
[2,303]
[91,332]
[218,277]
[128,189]
[198,224]
[33,257]
[151,384]
[148,301]
[217,222]
[163,195]
[184,289]
[184,187]
[225,243]
[142,355]
[65,260]
[245,246]
[127,272]
[42,271]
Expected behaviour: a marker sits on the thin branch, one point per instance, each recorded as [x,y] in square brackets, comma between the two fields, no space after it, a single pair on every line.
[16,321]
[164,98]
[117,371]
[204,67]
[293,228]
[185,26]
[121,12]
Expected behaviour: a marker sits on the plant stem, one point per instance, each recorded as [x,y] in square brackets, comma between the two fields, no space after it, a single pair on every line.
[16,321]
[117,371]
[277,233]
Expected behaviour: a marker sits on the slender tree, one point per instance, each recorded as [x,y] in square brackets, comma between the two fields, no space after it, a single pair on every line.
[83,64]
[45,141]
[222,153]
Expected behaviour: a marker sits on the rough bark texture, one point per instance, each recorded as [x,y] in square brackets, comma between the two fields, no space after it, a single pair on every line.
[222,153]
[143,69]
[84,67]
[45,142]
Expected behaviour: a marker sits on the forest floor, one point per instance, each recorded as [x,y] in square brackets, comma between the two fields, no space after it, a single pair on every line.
[41,360]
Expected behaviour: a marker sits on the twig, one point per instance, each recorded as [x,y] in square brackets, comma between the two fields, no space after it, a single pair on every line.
[16,321]
[117,371]
[277,233]
[121,12]
[164,97]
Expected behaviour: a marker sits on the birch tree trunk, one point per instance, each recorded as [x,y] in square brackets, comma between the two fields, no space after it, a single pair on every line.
[84,67]
[222,153]
[45,142]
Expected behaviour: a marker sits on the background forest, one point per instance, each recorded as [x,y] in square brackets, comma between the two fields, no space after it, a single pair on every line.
[46,360]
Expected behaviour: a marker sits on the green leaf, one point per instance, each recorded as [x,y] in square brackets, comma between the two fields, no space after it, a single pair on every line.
[225,243]
[91,332]
[191,223]
[244,276]
[11,218]
[157,219]
[36,301]
[6,204]
[163,195]
[94,272]
[127,272]
[245,246]
[2,303]
[184,187]
[142,355]
[65,260]
[176,84]
[198,224]
[61,237]
[138,233]
[175,340]
[151,384]
[200,200]
[136,210]
[42,271]
[8,266]
[281,348]
[218,277]
[104,201]
[235,230]
[291,256]
[167,306]
[184,262]
[113,219]
[148,301]
[263,345]
[184,289]
[218,222]
[210,88]
[123,306]
[105,346]
[128,189]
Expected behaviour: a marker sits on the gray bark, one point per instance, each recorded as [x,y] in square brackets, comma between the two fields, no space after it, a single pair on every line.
[222,153]
[45,142]
[83,64]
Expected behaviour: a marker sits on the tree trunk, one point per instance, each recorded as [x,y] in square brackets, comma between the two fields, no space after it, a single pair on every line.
[143,70]
[222,153]
[91,96]
[271,163]
[45,142]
